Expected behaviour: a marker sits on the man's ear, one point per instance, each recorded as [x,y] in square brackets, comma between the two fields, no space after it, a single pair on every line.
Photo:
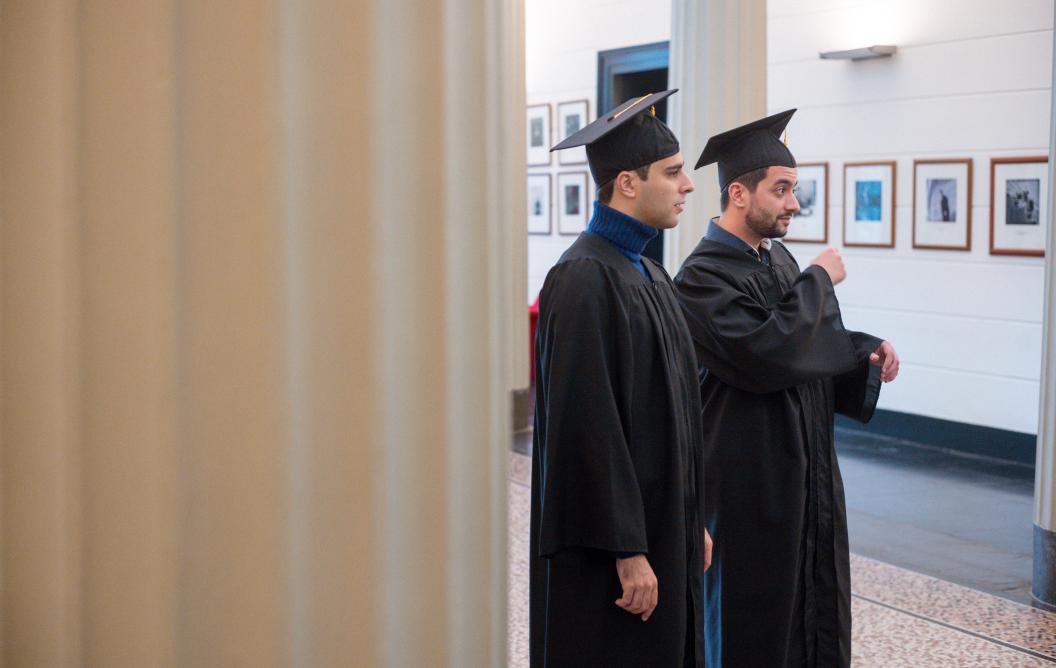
[626,184]
[738,193]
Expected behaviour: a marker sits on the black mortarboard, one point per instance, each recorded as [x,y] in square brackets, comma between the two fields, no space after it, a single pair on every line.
[749,147]
[625,138]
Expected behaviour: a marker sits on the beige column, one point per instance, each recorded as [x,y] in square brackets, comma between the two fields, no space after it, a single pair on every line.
[1043,587]
[126,313]
[40,345]
[261,311]
[718,61]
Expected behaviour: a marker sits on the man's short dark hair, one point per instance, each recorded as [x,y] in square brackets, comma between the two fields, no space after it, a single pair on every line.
[751,181]
[605,192]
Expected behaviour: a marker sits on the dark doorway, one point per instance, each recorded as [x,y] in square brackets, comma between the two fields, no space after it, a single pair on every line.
[632,72]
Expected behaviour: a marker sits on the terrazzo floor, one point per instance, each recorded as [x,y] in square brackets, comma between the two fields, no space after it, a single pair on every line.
[902,619]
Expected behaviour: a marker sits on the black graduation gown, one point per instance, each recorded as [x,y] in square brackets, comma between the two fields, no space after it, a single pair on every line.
[776,362]
[616,465]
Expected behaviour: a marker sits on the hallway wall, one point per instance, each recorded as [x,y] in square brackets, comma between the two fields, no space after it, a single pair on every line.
[970,80]
[561,49]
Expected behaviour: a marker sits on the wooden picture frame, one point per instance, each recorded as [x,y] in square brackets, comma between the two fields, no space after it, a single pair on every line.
[572,117]
[572,203]
[538,135]
[869,203]
[811,224]
[939,221]
[1028,176]
[540,204]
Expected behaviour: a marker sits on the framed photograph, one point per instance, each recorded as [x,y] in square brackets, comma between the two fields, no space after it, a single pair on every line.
[942,204]
[538,135]
[539,204]
[571,202]
[869,204]
[1018,198]
[811,224]
[571,118]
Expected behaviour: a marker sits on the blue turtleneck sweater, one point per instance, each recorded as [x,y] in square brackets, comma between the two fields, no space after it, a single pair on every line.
[625,233]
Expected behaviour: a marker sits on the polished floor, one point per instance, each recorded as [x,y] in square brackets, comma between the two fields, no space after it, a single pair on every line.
[940,564]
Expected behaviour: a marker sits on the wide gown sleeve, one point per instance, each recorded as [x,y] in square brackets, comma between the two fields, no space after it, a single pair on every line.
[857,391]
[590,494]
[759,349]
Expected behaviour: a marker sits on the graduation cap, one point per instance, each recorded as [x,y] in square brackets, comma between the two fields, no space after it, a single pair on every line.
[628,137]
[749,147]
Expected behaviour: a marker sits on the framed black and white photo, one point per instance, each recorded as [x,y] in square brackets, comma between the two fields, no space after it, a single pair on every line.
[571,118]
[942,204]
[539,204]
[811,224]
[869,204]
[538,135]
[1018,198]
[571,202]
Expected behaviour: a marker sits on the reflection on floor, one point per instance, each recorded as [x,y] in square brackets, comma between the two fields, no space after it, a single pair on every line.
[901,618]
[964,519]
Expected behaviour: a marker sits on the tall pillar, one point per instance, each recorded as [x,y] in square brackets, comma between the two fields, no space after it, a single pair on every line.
[1044,582]
[718,61]
[261,310]
[40,419]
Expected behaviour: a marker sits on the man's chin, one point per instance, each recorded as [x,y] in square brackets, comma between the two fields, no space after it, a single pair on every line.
[779,231]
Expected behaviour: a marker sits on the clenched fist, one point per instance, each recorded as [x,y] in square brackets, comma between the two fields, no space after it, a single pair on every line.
[832,263]
[640,590]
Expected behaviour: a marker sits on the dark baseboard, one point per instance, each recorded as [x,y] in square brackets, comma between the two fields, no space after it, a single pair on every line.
[522,409]
[1010,446]
[1043,588]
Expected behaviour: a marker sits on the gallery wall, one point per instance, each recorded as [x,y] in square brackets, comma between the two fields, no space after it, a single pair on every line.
[971,79]
[563,38]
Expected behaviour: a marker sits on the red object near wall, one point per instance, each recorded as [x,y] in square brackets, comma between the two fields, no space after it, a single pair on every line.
[533,320]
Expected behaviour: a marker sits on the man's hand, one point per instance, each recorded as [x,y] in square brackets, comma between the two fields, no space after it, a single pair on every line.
[707,549]
[832,263]
[640,591]
[886,358]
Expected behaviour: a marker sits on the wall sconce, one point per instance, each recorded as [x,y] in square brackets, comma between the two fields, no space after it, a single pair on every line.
[865,53]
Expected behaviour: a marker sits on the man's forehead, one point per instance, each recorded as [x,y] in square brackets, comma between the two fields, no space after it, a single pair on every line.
[777,173]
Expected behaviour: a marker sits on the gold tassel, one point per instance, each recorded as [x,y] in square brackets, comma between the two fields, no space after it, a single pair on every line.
[632,105]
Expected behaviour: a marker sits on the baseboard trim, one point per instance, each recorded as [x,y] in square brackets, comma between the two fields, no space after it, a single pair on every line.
[522,411]
[1012,446]
[1043,586]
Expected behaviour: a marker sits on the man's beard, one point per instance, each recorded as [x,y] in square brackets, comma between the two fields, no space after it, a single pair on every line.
[763,224]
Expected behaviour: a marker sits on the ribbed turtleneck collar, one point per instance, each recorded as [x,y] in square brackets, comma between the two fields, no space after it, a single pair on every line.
[619,229]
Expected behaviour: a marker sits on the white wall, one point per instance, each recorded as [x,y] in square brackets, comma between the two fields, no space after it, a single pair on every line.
[970,79]
[562,44]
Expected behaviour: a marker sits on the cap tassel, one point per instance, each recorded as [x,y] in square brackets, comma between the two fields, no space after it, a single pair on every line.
[786,137]
[628,107]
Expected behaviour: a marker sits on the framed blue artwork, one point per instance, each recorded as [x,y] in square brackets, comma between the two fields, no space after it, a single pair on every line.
[869,204]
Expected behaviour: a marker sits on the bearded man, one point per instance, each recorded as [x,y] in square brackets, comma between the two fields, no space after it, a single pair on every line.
[776,363]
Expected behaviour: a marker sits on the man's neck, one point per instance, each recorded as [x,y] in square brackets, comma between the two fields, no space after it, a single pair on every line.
[624,206]
[738,227]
